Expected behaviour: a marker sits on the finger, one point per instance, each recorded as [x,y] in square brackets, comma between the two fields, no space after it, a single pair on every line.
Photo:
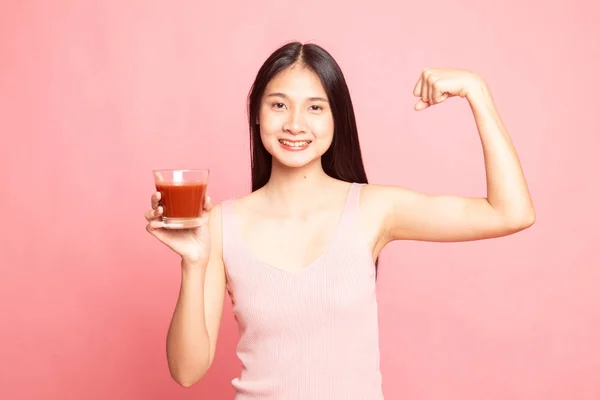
[204,217]
[149,215]
[417,89]
[425,91]
[208,203]
[425,86]
[154,226]
[431,94]
[152,230]
[153,214]
[155,199]
[437,94]
[421,105]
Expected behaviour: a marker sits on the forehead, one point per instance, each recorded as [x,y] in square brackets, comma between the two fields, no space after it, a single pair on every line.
[296,81]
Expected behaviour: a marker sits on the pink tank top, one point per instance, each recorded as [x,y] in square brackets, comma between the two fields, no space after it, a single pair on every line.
[310,334]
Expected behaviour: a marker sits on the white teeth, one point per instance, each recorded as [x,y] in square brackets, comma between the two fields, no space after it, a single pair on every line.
[294,144]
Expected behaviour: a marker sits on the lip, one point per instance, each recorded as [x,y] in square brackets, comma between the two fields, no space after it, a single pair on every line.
[292,148]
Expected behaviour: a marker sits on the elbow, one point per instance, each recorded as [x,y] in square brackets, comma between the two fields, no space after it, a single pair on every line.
[531,219]
[185,384]
[522,222]
[186,381]
[187,377]
[188,371]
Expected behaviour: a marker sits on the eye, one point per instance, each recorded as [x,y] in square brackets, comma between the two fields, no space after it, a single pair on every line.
[316,108]
[278,106]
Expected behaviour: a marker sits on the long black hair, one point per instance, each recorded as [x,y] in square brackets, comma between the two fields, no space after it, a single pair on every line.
[343,159]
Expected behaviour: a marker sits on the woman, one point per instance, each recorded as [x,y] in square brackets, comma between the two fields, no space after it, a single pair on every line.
[298,255]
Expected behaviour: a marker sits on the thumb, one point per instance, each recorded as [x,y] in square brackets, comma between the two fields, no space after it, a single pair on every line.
[421,105]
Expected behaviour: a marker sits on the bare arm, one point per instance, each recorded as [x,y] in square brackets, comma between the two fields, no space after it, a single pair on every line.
[192,336]
[507,208]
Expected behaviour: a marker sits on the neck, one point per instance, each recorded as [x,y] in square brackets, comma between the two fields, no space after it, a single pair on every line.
[296,189]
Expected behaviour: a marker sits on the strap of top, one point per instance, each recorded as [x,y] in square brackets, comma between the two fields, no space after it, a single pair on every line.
[354,196]
[351,209]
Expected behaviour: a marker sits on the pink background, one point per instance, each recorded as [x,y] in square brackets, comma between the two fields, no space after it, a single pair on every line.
[94,94]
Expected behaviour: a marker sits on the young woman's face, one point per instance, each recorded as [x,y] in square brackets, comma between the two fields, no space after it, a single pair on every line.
[296,124]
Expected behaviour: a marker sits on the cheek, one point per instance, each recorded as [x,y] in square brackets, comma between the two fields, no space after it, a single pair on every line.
[323,128]
[268,134]
[266,131]
[269,124]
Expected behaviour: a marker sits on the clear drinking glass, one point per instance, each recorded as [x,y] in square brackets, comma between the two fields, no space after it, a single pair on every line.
[182,193]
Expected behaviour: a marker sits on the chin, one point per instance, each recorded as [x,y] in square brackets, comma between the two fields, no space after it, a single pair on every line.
[295,161]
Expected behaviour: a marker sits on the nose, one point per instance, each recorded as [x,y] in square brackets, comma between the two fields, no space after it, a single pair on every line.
[295,123]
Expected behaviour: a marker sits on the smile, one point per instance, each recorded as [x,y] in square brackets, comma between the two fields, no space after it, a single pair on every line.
[295,144]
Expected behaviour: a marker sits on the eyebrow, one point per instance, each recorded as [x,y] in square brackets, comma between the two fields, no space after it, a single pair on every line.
[283,95]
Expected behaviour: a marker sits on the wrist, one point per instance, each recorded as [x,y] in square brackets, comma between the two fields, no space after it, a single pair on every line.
[478,91]
[193,263]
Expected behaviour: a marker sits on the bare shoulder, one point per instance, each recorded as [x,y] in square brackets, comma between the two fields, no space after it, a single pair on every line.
[249,203]
[374,195]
